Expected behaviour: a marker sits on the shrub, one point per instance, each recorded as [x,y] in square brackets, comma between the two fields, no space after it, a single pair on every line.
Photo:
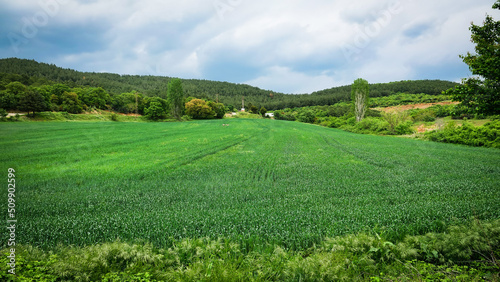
[114,117]
[394,121]
[487,135]
[425,115]
[306,116]
[404,128]
[3,114]
[155,111]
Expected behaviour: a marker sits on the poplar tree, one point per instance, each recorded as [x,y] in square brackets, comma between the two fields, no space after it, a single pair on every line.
[175,98]
[360,91]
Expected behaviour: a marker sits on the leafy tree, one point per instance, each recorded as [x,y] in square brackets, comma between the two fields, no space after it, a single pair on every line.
[95,97]
[360,91]
[126,103]
[10,96]
[199,109]
[230,108]
[71,103]
[175,97]
[155,111]
[253,109]
[8,100]
[263,111]
[32,101]
[218,109]
[57,91]
[481,94]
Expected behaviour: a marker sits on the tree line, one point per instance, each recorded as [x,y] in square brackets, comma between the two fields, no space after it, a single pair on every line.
[30,94]
[30,72]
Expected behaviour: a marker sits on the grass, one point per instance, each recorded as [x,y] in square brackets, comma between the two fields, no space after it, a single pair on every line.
[255,182]
[360,257]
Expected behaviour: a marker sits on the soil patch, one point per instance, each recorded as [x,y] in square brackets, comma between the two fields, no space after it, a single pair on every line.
[403,108]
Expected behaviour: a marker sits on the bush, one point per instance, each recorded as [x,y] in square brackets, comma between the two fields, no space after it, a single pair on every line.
[487,135]
[404,128]
[114,117]
[425,115]
[285,114]
[394,121]
[306,116]
[3,114]
[155,111]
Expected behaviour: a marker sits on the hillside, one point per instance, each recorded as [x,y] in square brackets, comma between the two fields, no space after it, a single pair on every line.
[228,93]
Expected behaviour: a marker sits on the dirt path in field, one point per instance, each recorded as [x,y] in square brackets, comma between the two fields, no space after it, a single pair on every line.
[402,108]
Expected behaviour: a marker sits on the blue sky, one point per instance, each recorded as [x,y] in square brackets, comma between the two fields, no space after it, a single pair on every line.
[293,46]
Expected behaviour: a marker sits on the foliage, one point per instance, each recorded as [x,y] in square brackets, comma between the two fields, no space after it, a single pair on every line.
[29,72]
[406,99]
[95,97]
[31,101]
[360,91]
[463,253]
[487,135]
[3,113]
[218,108]
[481,94]
[263,111]
[397,122]
[199,109]
[155,111]
[306,116]
[114,117]
[175,98]
[126,103]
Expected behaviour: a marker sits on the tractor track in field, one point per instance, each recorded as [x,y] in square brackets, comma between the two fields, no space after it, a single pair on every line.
[220,149]
[355,153]
[199,157]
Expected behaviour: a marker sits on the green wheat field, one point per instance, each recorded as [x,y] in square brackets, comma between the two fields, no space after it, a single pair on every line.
[252,181]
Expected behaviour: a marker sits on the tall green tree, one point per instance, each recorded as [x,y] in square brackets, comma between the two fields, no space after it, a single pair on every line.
[32,101]
[481,94]
[71,103]
[175,97]
[360,91]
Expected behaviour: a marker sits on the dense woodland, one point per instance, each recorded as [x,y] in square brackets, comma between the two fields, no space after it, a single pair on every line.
[119,87]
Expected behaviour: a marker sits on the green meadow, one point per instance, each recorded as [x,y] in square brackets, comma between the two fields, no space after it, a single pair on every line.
[254,182]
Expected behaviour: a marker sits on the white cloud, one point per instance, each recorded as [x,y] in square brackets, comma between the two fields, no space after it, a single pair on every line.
[295,46]
[290,81]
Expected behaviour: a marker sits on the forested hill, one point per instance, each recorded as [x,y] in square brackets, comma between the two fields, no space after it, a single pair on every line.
[30,72]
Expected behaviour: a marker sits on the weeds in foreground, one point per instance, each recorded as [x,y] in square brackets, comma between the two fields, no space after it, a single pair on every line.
[461,253]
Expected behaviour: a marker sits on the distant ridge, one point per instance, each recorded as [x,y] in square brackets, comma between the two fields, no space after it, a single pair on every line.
[228,93]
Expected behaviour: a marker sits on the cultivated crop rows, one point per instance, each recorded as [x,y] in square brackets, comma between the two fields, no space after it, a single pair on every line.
[254,180]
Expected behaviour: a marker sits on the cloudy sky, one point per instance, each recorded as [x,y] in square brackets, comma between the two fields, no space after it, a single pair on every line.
[293,46]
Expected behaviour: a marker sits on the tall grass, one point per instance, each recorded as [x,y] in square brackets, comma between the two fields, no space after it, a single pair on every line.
[462,253]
